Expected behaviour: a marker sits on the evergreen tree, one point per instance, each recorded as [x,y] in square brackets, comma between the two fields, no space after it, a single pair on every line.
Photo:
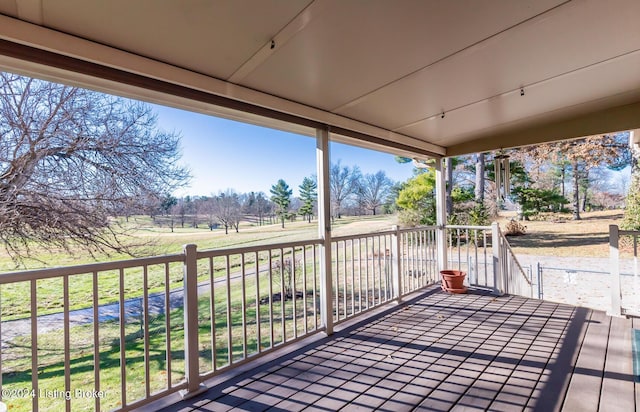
[281,196]
[584,154]
[308,195]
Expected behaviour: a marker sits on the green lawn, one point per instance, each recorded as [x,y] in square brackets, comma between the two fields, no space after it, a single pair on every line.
[233,342]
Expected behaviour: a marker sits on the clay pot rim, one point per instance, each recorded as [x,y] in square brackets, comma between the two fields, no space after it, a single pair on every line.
[453,273]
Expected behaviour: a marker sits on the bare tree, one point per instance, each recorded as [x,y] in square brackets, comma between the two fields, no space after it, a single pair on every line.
[343,182]
[227,210]
[70,157]
[374,189]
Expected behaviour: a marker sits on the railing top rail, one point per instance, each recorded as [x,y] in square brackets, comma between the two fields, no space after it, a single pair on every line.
[417,228]
[257,248]
[468,227]
[35,274]
[361,235]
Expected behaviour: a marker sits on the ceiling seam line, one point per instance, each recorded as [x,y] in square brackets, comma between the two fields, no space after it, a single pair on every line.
[516,90]
[249,65]
[355,100]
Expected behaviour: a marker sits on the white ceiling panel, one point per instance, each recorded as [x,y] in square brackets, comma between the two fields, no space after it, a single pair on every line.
[378,71]
[355,47]
[533,52]
[566,92]
[213,37]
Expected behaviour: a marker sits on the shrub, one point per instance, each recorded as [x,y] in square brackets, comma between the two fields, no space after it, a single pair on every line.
[515,228]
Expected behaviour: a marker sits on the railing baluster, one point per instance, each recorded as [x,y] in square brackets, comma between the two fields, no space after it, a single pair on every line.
[486,260]
[387,271]
[415,260]
[315,287]
[294,306]
[123,347]
[374,264]
[353,281]
[34,343]
[96,339]
[270,274]
[344,280]
[258,317]
[229,319]
[475,262]
[359,260]
[67,340]
[145,309]
[458,248]
[167,322]
[337,280]
[282,298]
[304,290]
[243,304]
[212,314]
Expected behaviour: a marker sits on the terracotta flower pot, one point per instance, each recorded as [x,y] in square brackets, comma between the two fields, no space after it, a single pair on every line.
[453,281]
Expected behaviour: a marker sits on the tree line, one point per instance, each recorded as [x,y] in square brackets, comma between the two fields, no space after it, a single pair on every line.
[351,193]
[567,176]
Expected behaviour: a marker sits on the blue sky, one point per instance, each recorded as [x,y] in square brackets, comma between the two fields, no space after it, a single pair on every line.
[224,154]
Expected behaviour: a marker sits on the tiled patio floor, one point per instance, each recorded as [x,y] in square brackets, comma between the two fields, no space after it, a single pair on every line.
[442,352]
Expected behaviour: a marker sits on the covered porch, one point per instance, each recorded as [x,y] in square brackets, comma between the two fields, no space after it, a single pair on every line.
[438,352]
[425,80]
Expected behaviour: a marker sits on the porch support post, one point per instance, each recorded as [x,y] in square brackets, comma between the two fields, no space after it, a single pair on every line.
[441,216]
[191,353]
[324,229]
[499,271]
[614,254]
[395,264]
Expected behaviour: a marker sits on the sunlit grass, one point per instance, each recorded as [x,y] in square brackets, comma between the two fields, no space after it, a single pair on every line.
[250,331]
[230,345]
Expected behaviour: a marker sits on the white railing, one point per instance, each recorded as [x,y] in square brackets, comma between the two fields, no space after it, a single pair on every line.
[119,335]
[625,288]
[417,258]
[469,249]
[514,277]
[90,352]
[485,254]
[373,269]
[258,298]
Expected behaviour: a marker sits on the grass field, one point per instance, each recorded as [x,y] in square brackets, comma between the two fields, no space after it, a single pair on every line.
[562,236]
[157,240]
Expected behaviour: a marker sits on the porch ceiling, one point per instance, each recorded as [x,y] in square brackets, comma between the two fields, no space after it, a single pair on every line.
[424,76]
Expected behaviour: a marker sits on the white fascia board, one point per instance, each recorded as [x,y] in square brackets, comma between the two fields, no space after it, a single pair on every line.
[38,37]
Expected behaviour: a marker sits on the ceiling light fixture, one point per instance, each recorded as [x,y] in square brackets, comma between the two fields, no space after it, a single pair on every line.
[442,116]
[522,91]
